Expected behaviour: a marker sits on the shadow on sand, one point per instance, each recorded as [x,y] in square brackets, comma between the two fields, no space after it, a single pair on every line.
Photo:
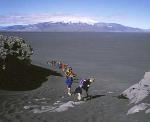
[23,77]
[93,97]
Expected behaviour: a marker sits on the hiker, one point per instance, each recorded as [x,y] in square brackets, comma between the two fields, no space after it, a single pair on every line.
[54,63]
[49,63]
[69,73]
[69,79]
[83,84]
[59,64]
[69,82]
[64,67]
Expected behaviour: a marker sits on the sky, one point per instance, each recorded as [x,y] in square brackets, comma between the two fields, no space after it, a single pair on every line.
[134,13]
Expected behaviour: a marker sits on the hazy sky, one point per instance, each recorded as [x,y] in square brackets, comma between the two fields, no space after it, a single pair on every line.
[135,13]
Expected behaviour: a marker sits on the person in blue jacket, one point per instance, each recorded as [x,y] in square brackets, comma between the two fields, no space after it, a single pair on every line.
[69,82]
[69,79]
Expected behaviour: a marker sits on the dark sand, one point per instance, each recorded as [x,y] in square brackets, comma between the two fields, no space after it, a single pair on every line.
[20,76]
[117,60]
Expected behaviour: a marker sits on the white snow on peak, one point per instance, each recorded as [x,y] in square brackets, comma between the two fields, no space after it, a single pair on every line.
[73,19]
[109,26]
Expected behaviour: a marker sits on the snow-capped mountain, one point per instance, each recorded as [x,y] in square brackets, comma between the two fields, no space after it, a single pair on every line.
[72,27]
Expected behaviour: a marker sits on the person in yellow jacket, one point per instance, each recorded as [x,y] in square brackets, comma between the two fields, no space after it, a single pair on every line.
[69,79]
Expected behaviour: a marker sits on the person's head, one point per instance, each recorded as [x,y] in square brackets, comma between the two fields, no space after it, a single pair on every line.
[92,80]
[70,68]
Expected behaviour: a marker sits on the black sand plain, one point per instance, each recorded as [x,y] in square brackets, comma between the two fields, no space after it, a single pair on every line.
[116,60]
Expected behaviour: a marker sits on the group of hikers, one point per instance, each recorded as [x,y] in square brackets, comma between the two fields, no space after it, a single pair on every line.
[70,76]
[57,65]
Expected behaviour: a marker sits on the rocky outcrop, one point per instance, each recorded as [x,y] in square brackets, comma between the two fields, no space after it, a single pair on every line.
[137,93]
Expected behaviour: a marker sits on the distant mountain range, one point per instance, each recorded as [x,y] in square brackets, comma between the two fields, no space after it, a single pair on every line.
[72,27]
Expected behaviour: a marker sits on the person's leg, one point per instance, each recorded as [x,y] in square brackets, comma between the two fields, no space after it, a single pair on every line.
[78,90]
[87,93]
[69,89]
[79,96]
[68,83]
